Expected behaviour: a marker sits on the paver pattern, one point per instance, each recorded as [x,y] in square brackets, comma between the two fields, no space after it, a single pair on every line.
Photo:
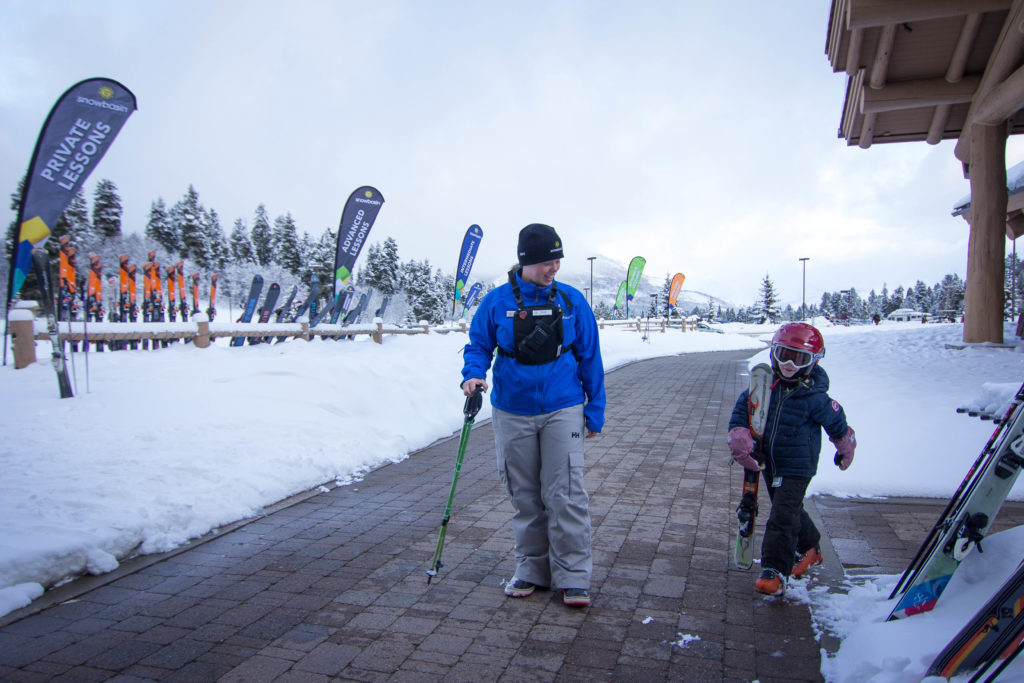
[335,587]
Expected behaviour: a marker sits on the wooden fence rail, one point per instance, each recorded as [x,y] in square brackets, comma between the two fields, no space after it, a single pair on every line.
[26,329]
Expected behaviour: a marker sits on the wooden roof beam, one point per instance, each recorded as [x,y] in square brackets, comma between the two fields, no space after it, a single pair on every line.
[1002,102]
[883,54]
[955,72]
[874,13]
[1005,58]
[928,92]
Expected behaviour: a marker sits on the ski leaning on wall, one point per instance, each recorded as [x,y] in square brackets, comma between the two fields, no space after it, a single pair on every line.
[966,518]
[993,633]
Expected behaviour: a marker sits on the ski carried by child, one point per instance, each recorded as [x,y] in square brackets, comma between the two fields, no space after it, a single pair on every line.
[967,516]
[758,396]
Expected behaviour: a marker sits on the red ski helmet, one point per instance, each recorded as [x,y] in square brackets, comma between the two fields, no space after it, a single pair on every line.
[798,344]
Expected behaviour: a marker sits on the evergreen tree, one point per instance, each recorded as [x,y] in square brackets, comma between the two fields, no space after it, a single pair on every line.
[75,223]
[768,302]
[160,229]
[187,218]
[924,297]
[951,296]
[284,244]
[383,268]
[261,237]
[217,250]
[106,209]
[239,245]
[321,262]
[827,309]
[910,300]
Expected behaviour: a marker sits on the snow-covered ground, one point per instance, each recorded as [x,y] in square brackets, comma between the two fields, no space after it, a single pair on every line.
[167,445]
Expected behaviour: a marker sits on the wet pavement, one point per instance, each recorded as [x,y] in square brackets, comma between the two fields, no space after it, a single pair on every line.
[332,585]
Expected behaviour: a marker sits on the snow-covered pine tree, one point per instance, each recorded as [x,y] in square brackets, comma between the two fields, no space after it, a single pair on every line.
[768,301]
[187,218]
[321,260]
[239,245]
[106,209]
[161,229]
[217,251]
[284,244]
[261,237]
[383,268]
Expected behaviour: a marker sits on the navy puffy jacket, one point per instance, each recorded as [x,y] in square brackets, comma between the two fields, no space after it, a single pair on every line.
[796,416]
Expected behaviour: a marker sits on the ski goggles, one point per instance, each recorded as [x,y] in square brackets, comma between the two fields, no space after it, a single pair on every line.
[797,357]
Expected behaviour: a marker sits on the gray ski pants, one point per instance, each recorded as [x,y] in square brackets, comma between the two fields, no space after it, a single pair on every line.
[540,462]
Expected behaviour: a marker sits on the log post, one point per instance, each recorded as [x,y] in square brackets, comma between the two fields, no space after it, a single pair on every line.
[983,302]
[202,339]
[22,337]
[378,336]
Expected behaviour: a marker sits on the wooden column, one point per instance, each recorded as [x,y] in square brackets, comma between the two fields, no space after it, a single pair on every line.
[983,304]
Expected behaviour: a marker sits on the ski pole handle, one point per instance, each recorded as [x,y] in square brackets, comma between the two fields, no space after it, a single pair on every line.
[473,403]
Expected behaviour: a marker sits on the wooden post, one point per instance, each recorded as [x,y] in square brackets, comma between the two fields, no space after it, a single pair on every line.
[426,326]
[22,337]
[202,340]
[378,336]
[983,302]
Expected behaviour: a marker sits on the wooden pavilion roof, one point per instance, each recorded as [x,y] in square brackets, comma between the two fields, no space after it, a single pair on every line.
[927,69]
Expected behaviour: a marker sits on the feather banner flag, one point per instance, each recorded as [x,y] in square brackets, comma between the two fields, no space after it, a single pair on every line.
[674,289]
[357,218]
[620,298]
[636,270]
[467,254]
[77,133]
[471,294]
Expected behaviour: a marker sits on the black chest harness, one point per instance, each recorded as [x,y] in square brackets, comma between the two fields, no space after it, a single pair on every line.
[538,331]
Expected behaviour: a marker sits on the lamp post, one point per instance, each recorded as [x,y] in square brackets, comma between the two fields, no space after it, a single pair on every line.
[591,259]
[803,296]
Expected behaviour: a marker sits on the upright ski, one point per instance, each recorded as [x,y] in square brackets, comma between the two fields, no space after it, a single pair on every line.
[286,306]
[250,306]
[326,310]
[758,396]
[41,263]
[314,292]
[268,307]
[967,516]
[211,310]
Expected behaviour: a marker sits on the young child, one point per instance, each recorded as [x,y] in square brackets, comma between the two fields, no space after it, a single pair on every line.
[798,409]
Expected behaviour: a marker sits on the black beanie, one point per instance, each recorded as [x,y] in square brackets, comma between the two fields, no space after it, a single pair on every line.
[538,243]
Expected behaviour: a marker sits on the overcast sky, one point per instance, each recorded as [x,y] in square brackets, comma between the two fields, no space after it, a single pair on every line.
[701,136]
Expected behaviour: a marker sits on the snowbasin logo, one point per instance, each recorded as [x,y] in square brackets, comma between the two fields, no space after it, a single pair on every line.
[106,92]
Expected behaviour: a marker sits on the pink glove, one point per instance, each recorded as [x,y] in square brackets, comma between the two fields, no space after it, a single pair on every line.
[741,444]
[844,448]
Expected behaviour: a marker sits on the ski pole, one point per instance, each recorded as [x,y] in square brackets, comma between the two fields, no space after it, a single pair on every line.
[470,410]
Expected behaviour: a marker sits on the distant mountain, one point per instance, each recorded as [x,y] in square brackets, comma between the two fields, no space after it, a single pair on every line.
[609,274]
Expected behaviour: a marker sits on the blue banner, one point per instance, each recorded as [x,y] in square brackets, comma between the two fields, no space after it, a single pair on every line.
[77,133]
[471,294]
[467,254]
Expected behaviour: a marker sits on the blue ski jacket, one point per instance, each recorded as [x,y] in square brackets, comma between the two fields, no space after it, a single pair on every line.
[796,415]
[574,377]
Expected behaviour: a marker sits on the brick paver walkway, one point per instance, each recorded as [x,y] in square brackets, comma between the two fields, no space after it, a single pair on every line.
[334,586]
